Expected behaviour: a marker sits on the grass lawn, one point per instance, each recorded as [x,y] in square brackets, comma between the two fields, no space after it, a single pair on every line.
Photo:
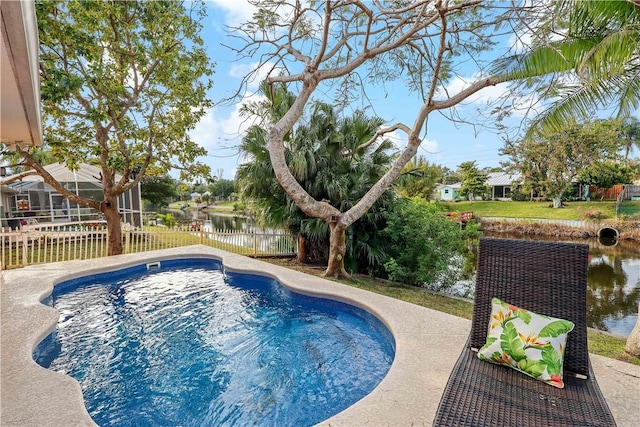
[214,206]
[599,342]
[630,207]
[571,211]
[221,207]
[178,205]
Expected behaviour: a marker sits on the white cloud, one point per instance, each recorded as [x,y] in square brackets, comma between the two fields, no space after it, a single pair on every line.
[236,11]
[241,70]
[220,132]
[487,95]
[399,140]
[430,146]
[518,43]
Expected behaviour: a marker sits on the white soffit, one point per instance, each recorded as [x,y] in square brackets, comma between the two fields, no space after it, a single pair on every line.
[21,121]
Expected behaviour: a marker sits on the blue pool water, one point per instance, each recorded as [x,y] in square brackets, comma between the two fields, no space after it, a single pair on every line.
[192,345]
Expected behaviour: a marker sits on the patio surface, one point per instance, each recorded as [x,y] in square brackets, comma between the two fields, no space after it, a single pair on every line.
[427,345]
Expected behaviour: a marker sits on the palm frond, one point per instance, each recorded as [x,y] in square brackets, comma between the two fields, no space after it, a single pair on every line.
[612,54]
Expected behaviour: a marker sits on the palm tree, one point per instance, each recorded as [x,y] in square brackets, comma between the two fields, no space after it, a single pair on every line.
[630,135]
[599,51]
[325,156]
[602,47]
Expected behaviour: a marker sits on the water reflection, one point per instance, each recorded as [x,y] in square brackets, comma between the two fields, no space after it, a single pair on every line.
[262,239]
[613,283]
[214,221]
[613,292]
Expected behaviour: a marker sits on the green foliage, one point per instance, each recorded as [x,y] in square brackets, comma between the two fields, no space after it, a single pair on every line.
[451,178]
[473,180]
[517,195]
[419,178]
[222,188]
[599,46]
[123,84]
[549,163]
[426,249]
[159,190]
[630,135]
[167,219]
[241,207]
[605,174]
[325,156]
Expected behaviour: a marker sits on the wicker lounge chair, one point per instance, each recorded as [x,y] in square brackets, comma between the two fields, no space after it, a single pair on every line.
[547,278]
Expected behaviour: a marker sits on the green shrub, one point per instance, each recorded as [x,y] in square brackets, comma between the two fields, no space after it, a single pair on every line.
[425,247]
[240,207]
[518,196]
[167,219]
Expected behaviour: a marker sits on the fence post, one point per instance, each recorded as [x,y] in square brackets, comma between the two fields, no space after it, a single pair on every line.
[25,244]
[201,236]
[127,242]
[255,244]
[2,249]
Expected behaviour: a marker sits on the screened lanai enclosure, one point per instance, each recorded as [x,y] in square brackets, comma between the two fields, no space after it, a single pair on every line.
[31,201]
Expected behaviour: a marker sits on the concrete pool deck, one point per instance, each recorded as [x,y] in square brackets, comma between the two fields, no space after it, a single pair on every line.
[428,343]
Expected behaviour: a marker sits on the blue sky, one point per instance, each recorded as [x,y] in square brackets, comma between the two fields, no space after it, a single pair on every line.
[445,143]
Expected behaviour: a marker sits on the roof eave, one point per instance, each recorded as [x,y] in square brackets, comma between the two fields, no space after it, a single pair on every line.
[21,116]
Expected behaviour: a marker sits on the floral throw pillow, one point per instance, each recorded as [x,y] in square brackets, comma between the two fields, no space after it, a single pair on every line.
[526,341]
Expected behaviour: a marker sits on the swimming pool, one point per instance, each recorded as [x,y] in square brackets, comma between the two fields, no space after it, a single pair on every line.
[249,351]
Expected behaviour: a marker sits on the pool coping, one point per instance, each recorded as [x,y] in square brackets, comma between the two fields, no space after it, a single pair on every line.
[427,345]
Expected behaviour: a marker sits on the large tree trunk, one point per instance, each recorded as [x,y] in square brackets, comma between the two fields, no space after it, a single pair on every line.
[557,201]
[114,231]
[633,342]
[337,251]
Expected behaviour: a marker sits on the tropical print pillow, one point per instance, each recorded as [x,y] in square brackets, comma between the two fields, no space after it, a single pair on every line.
[531,343]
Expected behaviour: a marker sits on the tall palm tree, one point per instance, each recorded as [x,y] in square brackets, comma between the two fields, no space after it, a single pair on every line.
[599,51]
[630,135]
[602,47]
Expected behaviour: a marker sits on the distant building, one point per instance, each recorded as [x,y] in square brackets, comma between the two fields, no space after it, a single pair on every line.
[32,200]
[502,183]
[448,192]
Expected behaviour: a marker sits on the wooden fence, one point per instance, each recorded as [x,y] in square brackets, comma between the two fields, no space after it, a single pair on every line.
[26,247]
[610,193]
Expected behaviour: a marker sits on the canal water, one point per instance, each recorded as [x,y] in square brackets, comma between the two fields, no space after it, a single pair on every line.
[218,221]
[613,291]
[613,282]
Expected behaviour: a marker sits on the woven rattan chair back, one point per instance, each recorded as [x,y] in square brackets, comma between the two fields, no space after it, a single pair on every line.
[548,278]
[545,277]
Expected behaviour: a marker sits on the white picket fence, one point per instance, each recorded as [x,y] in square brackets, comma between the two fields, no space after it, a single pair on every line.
[36,246]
